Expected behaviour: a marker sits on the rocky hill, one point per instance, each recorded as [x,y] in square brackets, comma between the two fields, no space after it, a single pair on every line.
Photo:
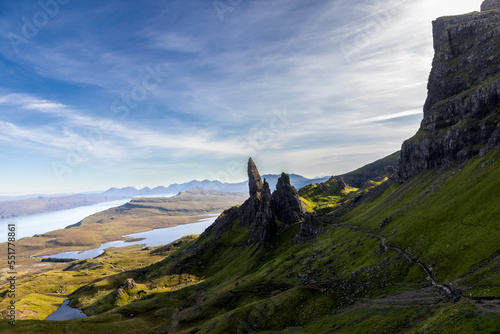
[461,114]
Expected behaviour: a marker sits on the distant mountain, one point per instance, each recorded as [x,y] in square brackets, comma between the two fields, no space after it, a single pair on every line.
[297,181]
[36,204]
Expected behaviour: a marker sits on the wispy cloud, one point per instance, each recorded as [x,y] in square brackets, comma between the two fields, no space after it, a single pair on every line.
[350,74]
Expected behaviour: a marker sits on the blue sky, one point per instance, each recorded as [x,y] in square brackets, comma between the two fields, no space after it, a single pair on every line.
[95,93]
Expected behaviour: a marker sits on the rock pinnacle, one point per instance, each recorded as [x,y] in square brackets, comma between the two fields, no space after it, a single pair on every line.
[254,180]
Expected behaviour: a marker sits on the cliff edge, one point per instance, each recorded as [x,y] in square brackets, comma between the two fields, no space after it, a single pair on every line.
[461,113]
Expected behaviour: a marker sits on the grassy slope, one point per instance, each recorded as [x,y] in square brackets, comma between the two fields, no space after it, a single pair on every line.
[343,282]
[325,197]
[450,220]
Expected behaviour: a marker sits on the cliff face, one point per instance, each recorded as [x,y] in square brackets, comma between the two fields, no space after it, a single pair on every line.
[461,114]
[490,5]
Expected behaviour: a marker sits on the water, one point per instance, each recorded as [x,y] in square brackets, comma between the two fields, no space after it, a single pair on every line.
[66,312]
[28,226]
[153,238]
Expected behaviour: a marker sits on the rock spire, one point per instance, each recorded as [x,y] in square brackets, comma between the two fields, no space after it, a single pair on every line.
[262,209]
[264,226]
[254,180]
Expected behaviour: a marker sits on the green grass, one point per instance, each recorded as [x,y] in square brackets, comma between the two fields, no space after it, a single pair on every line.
[339,282]
[460,318]
[325,197]
[449,220]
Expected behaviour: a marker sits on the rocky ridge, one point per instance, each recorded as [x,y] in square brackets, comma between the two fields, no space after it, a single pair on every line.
[461,113]
[263,209]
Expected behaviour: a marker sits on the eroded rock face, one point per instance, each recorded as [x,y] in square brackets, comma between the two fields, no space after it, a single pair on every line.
[262,209]
[265,226]
[286,202]
[309,229]
[339,182]
[128,284]
[461,114]
[254,180]
[490,5]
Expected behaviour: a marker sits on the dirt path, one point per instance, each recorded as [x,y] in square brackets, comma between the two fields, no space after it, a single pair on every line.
[402,253]
[112,266]
[486,306]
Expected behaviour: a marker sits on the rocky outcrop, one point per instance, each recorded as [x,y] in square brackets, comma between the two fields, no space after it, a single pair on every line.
[223,223]
[254,180]
[126,290]
[339,182]
[262,209]
[461,113]
[261,212]
[309,229]
[286,201]
[265,225]
[490,5]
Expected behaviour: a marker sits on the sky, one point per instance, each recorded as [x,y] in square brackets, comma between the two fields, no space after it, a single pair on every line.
[97,94]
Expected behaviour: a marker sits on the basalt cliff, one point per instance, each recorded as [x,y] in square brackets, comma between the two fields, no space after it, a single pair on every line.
[461,114]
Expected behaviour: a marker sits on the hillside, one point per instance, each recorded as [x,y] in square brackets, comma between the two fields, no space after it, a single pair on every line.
[410,249]
[402,258]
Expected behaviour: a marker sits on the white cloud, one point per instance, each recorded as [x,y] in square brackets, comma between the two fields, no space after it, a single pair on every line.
[346,71]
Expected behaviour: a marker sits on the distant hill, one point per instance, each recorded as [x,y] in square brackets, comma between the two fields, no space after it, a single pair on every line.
[360,176]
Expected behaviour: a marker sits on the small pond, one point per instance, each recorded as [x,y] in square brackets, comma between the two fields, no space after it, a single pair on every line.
[66,312]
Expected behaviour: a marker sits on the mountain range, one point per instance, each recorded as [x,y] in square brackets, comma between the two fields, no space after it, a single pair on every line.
[296,180]
[31,205]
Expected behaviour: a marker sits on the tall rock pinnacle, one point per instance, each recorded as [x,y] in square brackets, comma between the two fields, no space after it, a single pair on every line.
[287,205]
[254,180]
[265,226]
